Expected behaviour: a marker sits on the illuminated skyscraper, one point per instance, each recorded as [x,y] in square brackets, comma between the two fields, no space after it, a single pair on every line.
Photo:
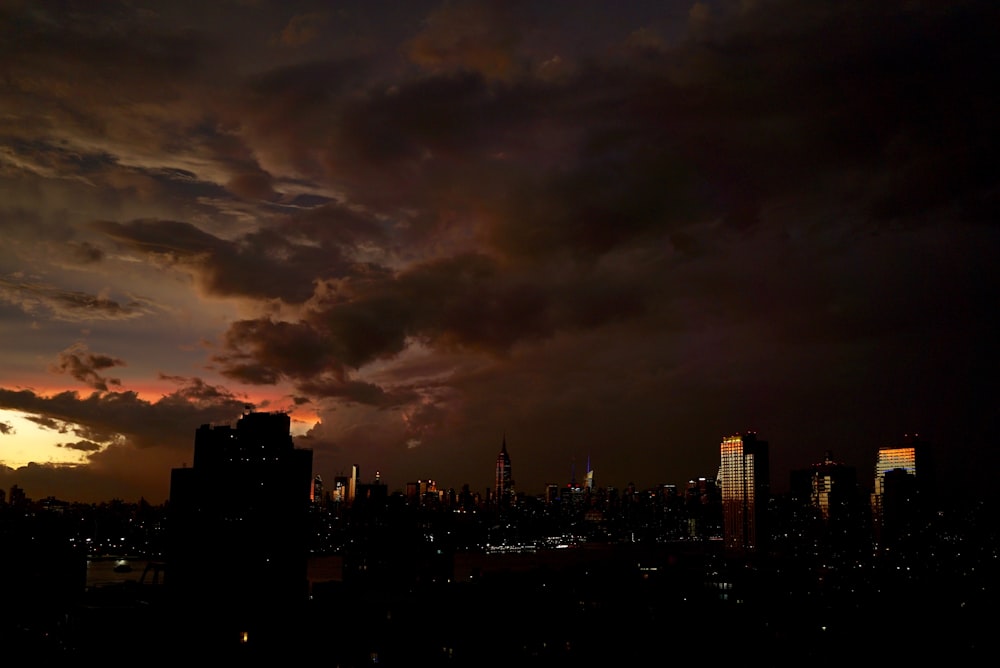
[352,484]
[745,480]
[504,482]
[339,493]
[903,481]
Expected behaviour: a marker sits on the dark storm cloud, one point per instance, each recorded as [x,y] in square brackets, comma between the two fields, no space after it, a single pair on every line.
[288,113]
[85,366]
[351,391]
[264,264]
[94,79]
[618,236]
[49,423]
[302,29]
[263,351]
[464,302]
[116,99]
[86,253]
[112,417]
[72,305]
[331,225]
[39,237]
[889,94]
[48,51]
[849,100]
[479,36]
[42,158]
[197,391]
[83,446]
[7,429]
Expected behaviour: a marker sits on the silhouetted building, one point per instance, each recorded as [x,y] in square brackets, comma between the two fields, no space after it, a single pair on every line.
[551,493]
[703,508]
[317,491]
[745,479]
[237,521]
[828,512]
[370,499]
[829,487]
[17,496]
[504,482]
[904,483]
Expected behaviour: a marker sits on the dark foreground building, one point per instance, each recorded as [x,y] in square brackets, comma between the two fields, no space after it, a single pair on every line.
[237,527]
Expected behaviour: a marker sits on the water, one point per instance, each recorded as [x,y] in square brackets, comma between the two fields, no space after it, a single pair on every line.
[101,571]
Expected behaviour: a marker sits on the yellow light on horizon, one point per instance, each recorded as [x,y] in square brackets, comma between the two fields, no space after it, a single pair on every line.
[28,442]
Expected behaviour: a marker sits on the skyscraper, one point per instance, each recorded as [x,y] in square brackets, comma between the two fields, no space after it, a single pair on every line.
[317,491]
[904,478]
[352,484]
[243,506]
[745,480]
[830,487]
[504,482]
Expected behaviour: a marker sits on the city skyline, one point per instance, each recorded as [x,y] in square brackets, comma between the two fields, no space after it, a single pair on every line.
[616,231]
[779,483]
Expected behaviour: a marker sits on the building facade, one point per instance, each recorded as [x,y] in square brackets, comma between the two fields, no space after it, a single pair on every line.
[904,480]
[744,475]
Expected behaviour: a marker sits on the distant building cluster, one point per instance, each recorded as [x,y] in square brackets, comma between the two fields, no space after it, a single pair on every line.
[251,535]
[249,479]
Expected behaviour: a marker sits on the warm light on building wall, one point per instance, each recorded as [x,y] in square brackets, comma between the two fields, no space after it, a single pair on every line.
[744,477]
[890,459]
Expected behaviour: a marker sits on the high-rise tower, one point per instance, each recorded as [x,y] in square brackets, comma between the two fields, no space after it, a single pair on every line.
[904,480]
[746,486]
[829,487]
[241,509]
[317,491]
[504,482]
[352,484]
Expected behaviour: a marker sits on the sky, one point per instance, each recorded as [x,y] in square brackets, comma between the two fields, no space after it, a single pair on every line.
[604,232]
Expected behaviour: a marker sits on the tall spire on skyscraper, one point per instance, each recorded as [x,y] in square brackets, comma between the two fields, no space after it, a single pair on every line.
[504,483]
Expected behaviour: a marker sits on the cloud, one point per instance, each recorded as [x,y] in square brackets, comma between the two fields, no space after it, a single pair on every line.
[478,36]
[85,366]
[271,263]
[7,429]
[302,29]
[465,302]
[69,305]
[83,446]
[124,418]
[505,221]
